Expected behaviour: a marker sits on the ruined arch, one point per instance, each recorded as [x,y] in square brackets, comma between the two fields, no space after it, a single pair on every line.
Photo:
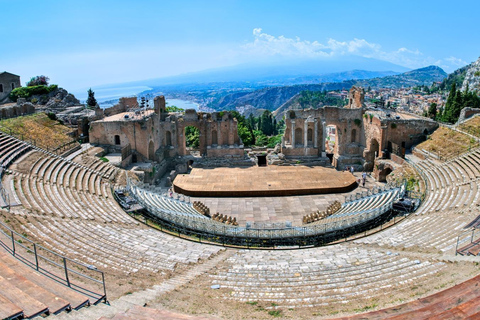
[214,137]
[192,140]
[382,175]
[374,147]
[151,151]
[298,137]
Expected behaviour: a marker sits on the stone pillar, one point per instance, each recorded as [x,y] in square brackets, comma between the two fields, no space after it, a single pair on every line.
[315,136]
[324,134]
[219,134]
[305,136]
[293,133]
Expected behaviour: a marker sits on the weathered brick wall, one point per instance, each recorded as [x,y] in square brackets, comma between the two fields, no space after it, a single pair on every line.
[6,81]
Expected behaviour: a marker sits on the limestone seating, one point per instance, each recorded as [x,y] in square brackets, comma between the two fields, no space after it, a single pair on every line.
[115,246]
[26,293]
[10,150]
[314,277]
[438,231]
[50,198]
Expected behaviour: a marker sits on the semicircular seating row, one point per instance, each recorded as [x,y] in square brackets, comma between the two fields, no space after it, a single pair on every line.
[11,149]
[451,206]
[68,206]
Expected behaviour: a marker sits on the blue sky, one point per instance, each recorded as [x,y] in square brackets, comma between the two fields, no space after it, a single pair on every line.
[88,43]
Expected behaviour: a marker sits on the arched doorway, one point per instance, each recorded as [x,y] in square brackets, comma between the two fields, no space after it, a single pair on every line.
[374,147]
[151,151]
[192,140]
[382,175]
[330,141]
[168,138]
[298,137]
[310,136]
[354,136]
[214,138]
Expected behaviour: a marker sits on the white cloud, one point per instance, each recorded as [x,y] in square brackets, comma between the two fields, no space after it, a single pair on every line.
[456,61]
[265,45]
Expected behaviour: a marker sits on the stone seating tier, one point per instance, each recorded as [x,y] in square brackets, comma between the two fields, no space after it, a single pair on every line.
[25,293]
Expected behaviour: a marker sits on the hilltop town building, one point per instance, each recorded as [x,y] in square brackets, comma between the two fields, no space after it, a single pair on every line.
[8,82]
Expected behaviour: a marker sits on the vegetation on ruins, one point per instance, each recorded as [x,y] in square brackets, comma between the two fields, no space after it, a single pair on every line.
[27,92]
[38,129]
[91,101]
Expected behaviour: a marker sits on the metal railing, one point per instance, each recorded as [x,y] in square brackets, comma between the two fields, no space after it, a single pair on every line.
[466,236]
[55,266]
[306,234]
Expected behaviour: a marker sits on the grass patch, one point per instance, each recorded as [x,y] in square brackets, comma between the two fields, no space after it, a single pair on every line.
[366,308]
[447,143]
[104,159]
[38,129]
[275,313]
[471,126]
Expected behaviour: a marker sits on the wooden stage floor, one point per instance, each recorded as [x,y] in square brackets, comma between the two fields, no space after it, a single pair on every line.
[263,181]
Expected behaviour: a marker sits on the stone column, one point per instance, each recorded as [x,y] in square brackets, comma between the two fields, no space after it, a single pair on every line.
[219,134]
[293,133]
[305,136]
[315,136]
[324,133]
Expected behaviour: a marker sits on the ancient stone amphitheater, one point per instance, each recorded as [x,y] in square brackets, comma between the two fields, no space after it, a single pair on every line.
[69,232]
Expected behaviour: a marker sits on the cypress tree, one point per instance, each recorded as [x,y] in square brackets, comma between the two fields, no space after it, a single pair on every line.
[91,101]
[448,110]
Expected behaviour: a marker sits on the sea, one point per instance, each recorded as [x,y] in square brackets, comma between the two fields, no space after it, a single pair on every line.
[107,97]
[184,104]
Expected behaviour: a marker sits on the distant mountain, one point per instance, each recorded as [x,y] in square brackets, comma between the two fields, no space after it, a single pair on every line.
[424,76]
[280,72]
[273,98]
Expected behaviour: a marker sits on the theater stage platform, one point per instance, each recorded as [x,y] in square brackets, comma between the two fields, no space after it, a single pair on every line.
[263,181]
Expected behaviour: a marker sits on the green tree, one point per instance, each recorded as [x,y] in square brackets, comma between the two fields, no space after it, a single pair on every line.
[91,101]
[432,110]
[192,137]
[173,109]
[447,115]
[266,123]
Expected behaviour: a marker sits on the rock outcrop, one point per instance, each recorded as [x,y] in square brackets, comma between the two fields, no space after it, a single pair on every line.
[472,77]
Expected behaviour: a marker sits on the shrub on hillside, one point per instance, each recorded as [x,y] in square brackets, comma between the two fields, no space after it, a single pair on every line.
[26,92]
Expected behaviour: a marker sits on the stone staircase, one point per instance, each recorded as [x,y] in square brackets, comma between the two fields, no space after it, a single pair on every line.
[130,304]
